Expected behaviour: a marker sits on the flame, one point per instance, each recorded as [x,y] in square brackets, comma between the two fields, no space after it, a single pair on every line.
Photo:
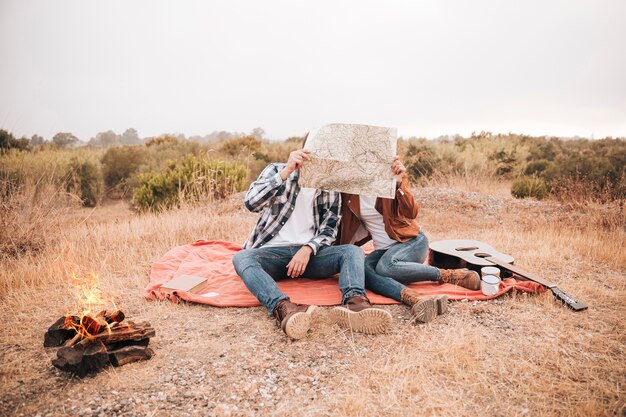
[90,304]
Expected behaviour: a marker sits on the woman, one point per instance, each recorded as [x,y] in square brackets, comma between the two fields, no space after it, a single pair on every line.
[400,248]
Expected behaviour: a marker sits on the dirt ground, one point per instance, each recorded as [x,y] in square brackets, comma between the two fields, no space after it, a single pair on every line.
[517,355]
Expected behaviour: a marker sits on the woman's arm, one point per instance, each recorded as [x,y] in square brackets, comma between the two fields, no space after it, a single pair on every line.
[405,205]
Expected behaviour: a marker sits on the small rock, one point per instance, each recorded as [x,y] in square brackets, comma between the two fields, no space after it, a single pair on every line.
[222,410]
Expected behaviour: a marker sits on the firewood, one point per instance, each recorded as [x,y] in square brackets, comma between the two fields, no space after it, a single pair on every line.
[115,317]
[82,359]
[132,332]
[124,343]
[74,340]
[129,354]
[93,325]
[60,331]
[112,317]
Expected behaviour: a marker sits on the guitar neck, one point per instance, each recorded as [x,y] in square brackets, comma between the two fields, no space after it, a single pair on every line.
[558,293]
[519,271]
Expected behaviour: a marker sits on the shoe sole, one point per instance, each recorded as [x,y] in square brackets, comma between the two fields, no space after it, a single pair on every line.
[368,321]
[442,304]
[424,310]
[299,324]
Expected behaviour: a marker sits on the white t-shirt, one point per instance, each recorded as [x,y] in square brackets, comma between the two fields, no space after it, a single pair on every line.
[374,223]
[299,228]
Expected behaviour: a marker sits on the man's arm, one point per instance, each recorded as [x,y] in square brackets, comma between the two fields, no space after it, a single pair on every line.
[329,225]
[264,188]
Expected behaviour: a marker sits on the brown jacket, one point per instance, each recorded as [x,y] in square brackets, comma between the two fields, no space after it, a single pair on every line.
[398,214]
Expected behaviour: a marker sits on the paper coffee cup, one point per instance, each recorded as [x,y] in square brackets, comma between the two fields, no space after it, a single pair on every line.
[489,270]
[490,284]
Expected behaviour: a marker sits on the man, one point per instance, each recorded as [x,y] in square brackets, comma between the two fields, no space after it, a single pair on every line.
[400,246]
[291,239]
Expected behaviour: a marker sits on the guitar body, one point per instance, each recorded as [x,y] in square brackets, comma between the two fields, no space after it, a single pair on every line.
[472,254]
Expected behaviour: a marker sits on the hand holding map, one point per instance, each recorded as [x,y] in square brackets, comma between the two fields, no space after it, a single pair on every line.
[351,158]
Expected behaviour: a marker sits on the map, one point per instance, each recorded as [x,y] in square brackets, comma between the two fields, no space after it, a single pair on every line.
[351,158]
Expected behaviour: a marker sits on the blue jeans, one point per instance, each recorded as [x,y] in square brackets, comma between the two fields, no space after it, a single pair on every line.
[260,268]
[387,270]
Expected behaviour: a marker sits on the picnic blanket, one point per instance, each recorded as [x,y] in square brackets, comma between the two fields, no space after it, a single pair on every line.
[213,260]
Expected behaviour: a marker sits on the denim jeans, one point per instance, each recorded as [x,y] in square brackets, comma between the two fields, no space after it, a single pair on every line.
[387,270]
[260,268]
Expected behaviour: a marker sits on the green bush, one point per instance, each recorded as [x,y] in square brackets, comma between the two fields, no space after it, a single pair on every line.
[85,181]
[119,164]
[421,160]
[190,179]
[534,187]
[536,167]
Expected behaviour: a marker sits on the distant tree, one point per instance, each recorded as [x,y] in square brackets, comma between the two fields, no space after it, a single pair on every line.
[257,132]
[105,139]
[223,135]
[64,140]
[130,137]
[8,141]
[37,140]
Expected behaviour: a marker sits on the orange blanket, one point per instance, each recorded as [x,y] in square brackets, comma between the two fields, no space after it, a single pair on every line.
[212,259]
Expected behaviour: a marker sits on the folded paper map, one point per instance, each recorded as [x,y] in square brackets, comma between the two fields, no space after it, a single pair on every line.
[351,158]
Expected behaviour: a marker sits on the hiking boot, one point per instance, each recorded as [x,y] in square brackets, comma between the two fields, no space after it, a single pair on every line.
[293,319]
[358,314]
[462,277]
[424,307]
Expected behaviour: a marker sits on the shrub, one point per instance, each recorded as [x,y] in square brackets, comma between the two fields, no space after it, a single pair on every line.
[246,144]
[162,140]
[505,160]
[190,179]
[535,168]
[525,186]
[421,160]
[120,164]
[85,181]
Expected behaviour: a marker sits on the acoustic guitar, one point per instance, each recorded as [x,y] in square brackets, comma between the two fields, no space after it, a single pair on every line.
[473,255]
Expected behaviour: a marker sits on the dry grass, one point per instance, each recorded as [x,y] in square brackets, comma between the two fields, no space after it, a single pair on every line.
[515,356]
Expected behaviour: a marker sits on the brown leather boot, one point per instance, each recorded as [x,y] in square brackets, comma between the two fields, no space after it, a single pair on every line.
[462,277]
[293,319]
[424,307]
[358,314]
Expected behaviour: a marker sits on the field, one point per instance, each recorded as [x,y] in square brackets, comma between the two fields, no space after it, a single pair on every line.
[517,355]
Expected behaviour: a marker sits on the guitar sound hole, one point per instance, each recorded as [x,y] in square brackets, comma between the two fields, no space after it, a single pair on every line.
[466,248]
[482,254]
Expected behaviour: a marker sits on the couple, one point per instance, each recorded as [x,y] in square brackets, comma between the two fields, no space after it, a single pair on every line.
[295,234]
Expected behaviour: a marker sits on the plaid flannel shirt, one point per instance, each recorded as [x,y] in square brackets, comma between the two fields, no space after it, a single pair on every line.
[275,199]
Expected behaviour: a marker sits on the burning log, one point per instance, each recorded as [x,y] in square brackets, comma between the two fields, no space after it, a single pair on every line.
[92,342]
[93,325]
[132,332]
[115,317]
[62,330]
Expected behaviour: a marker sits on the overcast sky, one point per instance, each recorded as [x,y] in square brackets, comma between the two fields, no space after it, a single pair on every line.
[426,67]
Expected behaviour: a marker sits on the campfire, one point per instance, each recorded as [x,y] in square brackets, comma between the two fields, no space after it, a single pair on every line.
[89,342]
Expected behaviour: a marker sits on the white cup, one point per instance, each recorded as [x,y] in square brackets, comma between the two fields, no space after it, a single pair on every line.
[489,270]
[490,284]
